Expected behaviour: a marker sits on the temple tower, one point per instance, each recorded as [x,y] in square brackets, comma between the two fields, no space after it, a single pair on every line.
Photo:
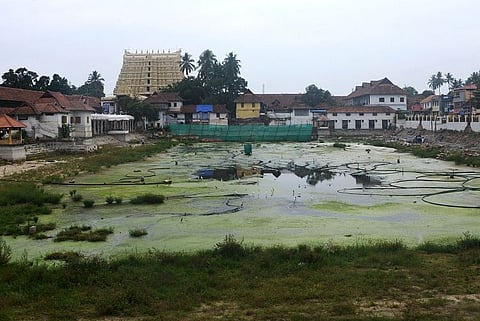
[146,72]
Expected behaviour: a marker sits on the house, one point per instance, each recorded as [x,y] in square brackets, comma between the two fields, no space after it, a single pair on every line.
[462,98]
[431,103]
[378,93]
[164,102]
[199,114]
[360,117]
[249,106]
[49,114]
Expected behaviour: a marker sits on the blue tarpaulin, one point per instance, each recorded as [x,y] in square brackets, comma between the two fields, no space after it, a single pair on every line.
[204,108]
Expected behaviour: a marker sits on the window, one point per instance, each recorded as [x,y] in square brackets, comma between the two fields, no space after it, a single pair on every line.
[148,88]
[347,114]
[241,105]
[392,99]
[148,81]
[253,105]
[78,120]
[218,115]
[374,114]
[148,75]
[88,120]
[402,99]
[64,119]
[388,114]
[301,112]
[334,114]
[381,99]
[360,114]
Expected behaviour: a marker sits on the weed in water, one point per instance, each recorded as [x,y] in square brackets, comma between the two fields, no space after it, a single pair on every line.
[138,232]
[5,252]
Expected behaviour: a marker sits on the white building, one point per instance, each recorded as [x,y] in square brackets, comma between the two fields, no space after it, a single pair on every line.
[361,117]
[378,93]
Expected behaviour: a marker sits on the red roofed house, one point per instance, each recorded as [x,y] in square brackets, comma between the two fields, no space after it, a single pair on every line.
[378,92]
[49,114]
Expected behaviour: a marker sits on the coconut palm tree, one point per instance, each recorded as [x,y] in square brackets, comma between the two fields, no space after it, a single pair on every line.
[186,65]
[449,80]
[95,77]
[436,81]
[206,65]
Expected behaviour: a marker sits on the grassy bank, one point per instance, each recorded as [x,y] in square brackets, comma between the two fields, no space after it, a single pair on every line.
[376,281]
[65,166]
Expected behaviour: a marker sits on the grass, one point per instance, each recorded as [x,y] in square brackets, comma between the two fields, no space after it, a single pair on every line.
[21,205]
[68,165]
[83,233]
[375,281]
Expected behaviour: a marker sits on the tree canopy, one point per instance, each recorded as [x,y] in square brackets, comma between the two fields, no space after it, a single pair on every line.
[314,96]
[25,79]
[216,82]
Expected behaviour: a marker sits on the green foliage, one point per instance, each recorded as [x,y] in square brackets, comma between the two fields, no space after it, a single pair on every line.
[138,232]
[93,87]
[118,200]
[325,282]
[83,233]
[77,197]
[138,109]
[68,257]
[88,203]
[148,199]
[230,247]
[5,252]
[109,199]
[64,131]
[314,96]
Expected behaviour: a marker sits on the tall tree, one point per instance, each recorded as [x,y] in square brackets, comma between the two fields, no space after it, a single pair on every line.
[93,86]
[410,91]
[22,78]
[474,79]
[314,96]
[187,64]
[449,80]
[436,81]
[206,65]
[42,83]
[60,84]
[457,83]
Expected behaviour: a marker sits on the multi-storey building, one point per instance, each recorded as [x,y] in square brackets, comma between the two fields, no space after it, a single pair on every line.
[146,72]
[378,92]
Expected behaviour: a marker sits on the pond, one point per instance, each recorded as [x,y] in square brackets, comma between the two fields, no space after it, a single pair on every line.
[281,194]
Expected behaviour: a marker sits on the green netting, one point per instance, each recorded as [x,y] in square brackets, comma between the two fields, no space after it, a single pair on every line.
[244,133]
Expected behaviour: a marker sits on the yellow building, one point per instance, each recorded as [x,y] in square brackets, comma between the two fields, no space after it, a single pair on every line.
[146,72]
[247,106]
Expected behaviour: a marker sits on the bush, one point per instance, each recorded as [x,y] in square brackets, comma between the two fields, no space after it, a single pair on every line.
[230,247]
[64,256]
[5,252]
[77,197]
[148,199]
[109,199]
[138,232]
[88,203]
[118,200]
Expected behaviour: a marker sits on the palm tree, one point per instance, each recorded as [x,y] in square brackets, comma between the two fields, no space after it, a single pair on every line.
[206,64]
[231,66]
[186,65]
[95,77]
[436,81]
[449,80]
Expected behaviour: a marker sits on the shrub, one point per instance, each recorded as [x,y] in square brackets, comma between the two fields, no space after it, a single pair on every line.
[109,199]
[5,252]
[230,247]
[340,145]
[138,232]
[77,197]
[118,200]
[468,242]
[88,203]
[148,199]
[64,256]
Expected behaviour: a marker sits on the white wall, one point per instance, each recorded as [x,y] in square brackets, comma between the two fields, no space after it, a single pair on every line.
[364,120]
[396,105]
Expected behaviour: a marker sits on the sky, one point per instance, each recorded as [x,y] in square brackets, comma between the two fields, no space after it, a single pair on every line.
[283,45]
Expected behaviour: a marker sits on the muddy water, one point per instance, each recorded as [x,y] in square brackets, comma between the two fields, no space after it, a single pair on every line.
[281,194]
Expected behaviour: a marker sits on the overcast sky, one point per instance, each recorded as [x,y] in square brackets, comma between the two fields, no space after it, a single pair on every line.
[283,45]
